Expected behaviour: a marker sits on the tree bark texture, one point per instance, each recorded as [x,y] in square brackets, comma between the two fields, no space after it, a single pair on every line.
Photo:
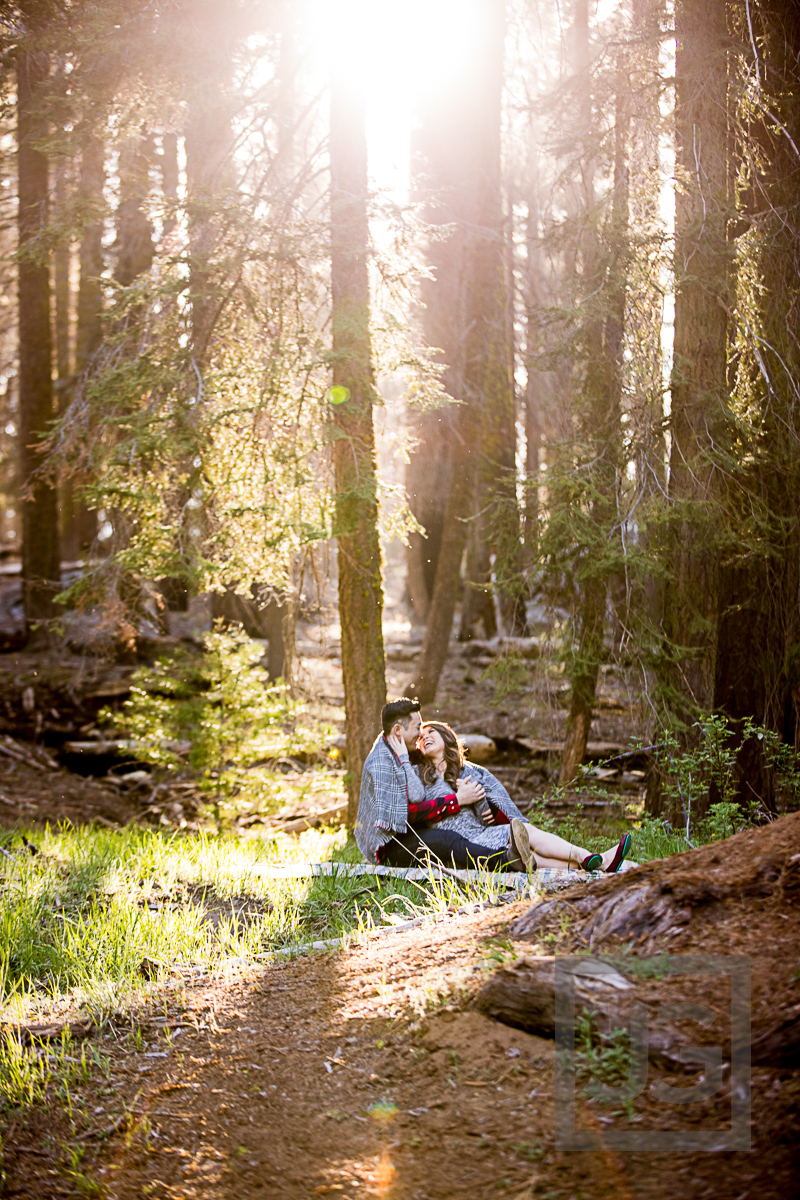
[260,617]
[477,600]
[699,384]
[488,372]
[356,513]
[134,243]
[536,382]
[440,172]
[79,523]
[169,179]
[62,323]
[600,404]
[757,669]
[40,549]
[209,144]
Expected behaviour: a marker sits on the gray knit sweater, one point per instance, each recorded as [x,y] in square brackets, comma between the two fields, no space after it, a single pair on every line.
[495,837]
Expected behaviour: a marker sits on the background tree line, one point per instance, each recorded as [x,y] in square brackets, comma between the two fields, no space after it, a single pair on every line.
[202,311]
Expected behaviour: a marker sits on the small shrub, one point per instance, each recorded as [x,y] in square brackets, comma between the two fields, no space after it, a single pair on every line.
[216,714]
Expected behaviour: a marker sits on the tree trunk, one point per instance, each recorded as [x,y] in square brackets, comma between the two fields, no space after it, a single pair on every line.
[259,617]
[645,371]
[436,644]
[698,385]
[488,367]
[477,603]
[40,549]
[481,445]
[439,171]
[356,515]
[134,243]
[209,145]
[601,399]
[62,256]
[80,522]
[534,379]
[169,179]
[757,669]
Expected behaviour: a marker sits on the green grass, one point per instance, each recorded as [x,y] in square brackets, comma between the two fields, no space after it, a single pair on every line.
[97,914]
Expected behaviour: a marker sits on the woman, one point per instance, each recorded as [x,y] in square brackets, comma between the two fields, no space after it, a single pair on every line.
[444,773]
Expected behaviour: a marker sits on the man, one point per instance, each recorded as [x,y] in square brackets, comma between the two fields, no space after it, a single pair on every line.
[392,800]
[389,784]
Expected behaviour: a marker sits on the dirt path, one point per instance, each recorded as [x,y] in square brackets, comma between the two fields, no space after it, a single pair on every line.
[357,1073]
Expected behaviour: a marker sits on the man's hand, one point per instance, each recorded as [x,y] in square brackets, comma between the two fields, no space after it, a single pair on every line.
[398,745]
[469,791]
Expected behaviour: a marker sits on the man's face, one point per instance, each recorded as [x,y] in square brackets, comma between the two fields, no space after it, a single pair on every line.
[410,733]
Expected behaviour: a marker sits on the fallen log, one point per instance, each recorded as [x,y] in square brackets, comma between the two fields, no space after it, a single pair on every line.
[336,814]
[779,1047]
[595,751]
[32,756]
[28,1035]
[523,994]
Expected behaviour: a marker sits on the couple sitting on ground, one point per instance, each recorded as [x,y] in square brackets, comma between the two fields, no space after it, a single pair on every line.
[449,810]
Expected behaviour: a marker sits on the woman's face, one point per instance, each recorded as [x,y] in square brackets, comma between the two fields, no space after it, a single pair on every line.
[431,743]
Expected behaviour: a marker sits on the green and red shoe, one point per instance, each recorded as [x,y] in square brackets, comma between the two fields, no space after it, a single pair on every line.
[620,854]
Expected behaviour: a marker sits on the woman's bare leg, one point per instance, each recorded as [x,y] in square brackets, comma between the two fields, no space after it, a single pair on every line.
[554,851]
[559,863]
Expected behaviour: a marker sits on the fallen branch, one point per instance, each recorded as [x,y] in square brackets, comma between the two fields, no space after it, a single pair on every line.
[33,756]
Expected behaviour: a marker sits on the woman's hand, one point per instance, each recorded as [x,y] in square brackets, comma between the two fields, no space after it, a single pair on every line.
[398,745]
[469,791]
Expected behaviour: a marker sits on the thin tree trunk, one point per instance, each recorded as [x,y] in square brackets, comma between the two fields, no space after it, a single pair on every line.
[40,549]
[209,144]
[134,244]
[169,179]
[534,384]
[480,444]
[601,399]
[80,522]
[699,385]
[440,174]
[62,257]
[477,603]
[90,289]
[356,517]
[646,366]
[488,338]
[436,644]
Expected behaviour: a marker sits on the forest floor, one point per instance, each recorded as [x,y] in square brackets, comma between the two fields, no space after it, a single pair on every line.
[492,688]
[368,1070]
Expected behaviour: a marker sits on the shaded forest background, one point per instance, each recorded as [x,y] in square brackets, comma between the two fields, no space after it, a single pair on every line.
[582,318]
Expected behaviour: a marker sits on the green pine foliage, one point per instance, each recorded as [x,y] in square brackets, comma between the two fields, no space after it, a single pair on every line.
[213,716]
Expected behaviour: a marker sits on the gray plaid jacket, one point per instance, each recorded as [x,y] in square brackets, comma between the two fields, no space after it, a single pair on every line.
[387,785]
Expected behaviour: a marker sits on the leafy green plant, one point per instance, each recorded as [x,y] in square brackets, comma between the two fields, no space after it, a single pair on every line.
[509,674]
[603,1056]
[216,713]
[710,766]
[723,820]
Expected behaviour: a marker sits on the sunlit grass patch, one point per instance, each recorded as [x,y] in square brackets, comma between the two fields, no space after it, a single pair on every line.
[27,1072]
[90,915]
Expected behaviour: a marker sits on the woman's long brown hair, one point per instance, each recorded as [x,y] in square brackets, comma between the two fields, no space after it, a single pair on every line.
[454,756]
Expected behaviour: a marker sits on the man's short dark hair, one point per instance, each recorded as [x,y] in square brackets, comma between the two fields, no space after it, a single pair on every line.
[397,710]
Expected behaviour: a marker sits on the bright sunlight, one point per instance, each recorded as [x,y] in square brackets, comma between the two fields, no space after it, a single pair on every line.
[401,56]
